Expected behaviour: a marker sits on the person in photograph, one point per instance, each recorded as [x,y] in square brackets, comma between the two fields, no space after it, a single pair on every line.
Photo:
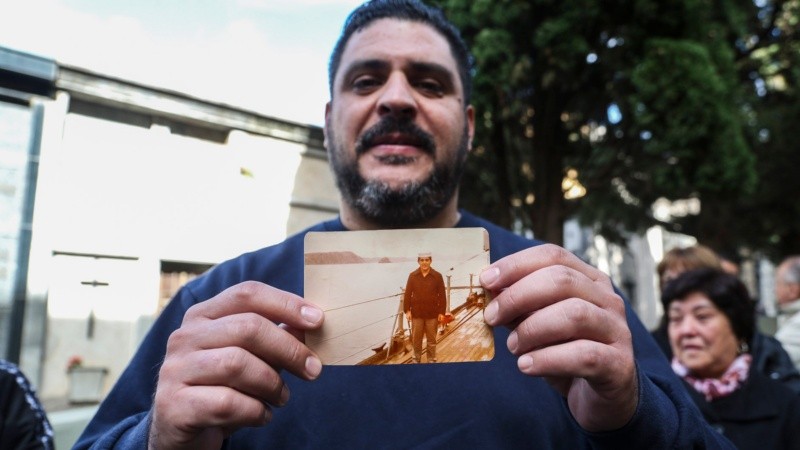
[424,302]
[225,365]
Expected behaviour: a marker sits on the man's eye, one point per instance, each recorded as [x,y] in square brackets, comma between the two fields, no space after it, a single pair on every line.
[362,84]
[430,87]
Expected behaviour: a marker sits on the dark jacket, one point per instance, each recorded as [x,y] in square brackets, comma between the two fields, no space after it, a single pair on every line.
[23,422]
[763,414]
[772,360]
[424,295]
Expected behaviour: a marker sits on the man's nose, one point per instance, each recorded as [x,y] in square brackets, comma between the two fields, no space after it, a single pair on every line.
[397,98]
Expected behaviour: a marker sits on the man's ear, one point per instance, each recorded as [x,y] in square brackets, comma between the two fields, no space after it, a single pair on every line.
[327,125]
[470,115]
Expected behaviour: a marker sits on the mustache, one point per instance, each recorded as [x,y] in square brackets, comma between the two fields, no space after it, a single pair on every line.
[412,134]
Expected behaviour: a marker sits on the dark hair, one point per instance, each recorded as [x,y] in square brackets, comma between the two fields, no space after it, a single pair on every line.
[410,10]
[727,293]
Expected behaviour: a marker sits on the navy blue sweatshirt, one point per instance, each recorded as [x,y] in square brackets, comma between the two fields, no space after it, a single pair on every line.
[459,405]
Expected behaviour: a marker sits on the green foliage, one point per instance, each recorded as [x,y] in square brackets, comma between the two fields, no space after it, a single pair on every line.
[692,84]
[691,130]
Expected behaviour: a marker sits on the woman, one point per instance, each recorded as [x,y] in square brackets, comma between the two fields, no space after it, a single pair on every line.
[676,261]
[769,357]
[711,324]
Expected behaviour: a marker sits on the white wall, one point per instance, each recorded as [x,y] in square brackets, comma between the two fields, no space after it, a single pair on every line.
[112,189]
[126,190]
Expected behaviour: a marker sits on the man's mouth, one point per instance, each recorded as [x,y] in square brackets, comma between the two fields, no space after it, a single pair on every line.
[395,142]
[395,149]
[397,139]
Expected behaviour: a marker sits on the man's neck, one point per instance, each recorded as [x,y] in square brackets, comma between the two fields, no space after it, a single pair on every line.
[447,218]
[790,307]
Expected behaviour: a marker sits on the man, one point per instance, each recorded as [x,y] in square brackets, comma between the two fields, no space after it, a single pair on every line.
[423,302]
[787,293]
[225,363]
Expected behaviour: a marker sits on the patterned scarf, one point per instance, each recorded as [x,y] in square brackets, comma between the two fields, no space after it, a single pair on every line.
[713,388]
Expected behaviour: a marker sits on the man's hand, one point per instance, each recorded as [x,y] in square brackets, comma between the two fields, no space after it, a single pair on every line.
[222,366]
[567,325]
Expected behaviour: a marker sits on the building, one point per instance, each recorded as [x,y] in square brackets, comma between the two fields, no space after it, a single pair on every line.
[114,193]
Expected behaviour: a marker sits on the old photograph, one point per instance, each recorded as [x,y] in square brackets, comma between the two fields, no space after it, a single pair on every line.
[399,296]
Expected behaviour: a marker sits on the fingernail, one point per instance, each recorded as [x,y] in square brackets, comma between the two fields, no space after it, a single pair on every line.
[284,395]
[490,313]
[267,414]
[489,275]
[525,363]
[313,366]
[311,314]
[512,342]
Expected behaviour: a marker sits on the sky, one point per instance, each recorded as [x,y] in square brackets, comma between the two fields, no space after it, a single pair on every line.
[267,56]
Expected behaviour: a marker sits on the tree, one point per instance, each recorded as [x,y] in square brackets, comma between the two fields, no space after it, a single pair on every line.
[767,55]
[643,100]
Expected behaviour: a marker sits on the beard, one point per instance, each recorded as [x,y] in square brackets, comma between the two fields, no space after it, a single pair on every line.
[412,203]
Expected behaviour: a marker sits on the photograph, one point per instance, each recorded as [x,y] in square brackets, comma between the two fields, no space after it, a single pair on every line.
[399,296]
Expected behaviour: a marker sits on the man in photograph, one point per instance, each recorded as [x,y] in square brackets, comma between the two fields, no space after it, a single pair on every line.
[423,302]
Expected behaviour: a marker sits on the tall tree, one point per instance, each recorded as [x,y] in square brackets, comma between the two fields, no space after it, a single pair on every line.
[767,55]
[637,100]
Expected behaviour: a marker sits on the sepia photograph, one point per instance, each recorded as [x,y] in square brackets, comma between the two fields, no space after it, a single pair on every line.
[399,296]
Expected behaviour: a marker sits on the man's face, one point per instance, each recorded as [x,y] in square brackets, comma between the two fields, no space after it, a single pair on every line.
[424,263]
[785,292]
[397,129]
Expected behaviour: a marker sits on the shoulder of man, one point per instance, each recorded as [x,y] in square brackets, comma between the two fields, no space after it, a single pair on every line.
[502,242]
[789,319]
